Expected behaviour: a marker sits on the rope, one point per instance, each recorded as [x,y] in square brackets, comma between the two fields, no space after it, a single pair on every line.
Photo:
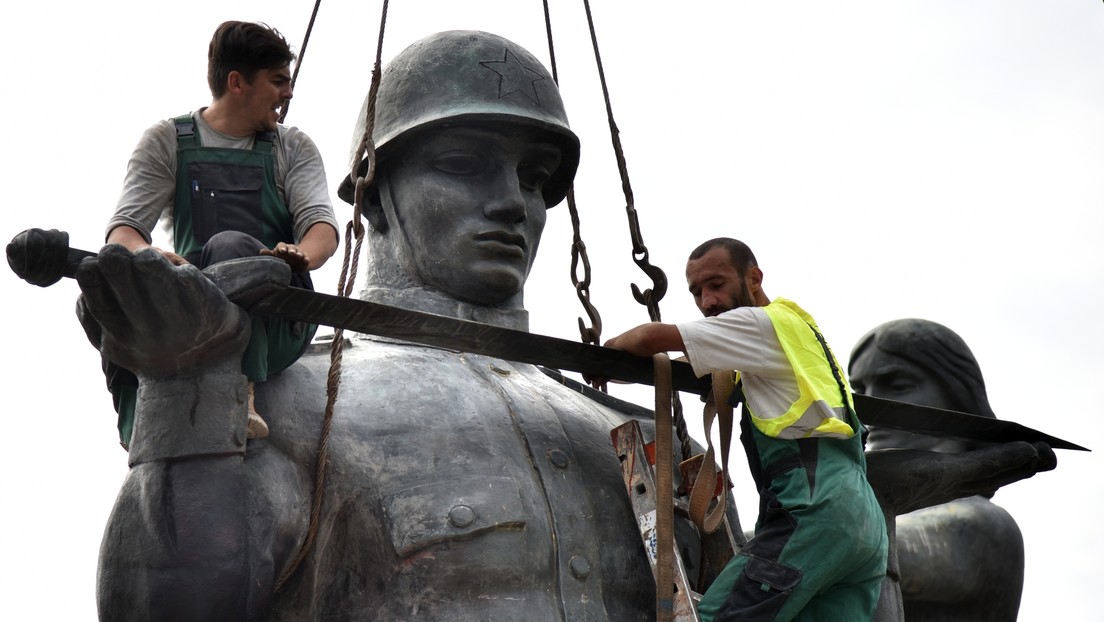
[299,62]
[592,334]
[350,262]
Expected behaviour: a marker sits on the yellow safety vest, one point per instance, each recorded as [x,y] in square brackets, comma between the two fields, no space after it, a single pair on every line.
[820,407]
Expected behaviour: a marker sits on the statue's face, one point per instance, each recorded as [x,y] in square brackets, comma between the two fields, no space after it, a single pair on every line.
[468,203]
[884,375]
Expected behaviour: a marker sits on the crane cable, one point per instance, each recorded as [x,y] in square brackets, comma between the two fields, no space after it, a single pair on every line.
[299,61]
[668,406]
[591,334]
[649,297]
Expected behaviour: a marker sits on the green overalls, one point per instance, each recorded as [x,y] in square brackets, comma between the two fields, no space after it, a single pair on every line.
[820,545]
[225,189]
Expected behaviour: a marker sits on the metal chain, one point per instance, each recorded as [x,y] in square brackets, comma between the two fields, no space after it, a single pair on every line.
[649,297]
[591,334]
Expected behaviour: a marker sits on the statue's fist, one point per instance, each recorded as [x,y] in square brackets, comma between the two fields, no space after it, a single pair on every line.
[154,317]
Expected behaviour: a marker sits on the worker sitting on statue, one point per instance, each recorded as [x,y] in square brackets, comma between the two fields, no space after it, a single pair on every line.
[230,181]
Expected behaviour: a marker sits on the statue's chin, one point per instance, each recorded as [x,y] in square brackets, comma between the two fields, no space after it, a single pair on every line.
[491,288]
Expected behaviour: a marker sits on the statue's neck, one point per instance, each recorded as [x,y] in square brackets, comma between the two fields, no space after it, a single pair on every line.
[432,301]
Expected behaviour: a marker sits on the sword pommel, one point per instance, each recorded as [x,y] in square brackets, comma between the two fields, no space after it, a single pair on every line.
[43,257]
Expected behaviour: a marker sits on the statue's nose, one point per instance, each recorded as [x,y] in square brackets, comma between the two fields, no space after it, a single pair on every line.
[505,201]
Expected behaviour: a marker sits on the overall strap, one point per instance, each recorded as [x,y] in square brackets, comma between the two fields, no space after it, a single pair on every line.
[226,189]
[807,449]
[263,142]
[762,473]
[747,438]
[186,135]
[835,372]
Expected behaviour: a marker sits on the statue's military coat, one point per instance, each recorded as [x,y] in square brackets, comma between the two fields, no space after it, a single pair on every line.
[458,487]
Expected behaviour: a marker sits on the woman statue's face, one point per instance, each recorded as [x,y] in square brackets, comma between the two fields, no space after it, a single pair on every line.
[888,376]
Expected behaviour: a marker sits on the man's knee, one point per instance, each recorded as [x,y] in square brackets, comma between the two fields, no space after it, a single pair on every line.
[228,245]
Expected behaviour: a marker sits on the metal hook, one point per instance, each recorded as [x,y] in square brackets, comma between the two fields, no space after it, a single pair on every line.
[650,297]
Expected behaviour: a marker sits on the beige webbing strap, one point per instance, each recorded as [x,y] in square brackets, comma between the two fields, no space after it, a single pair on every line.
[716,407]
[665,499]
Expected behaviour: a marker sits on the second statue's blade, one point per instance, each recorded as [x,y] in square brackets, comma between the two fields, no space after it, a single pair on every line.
[874,411]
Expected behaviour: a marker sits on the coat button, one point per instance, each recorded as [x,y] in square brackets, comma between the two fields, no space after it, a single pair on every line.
[580,567]
[558,458]
[461,516]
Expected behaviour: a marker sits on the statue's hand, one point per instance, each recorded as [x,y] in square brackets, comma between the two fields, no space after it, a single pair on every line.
[153,317]
[911,479]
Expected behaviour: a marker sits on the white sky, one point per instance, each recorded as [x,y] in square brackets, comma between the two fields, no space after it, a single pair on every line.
[938,159]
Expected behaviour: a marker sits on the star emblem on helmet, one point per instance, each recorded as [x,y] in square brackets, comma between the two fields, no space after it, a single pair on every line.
[514,77]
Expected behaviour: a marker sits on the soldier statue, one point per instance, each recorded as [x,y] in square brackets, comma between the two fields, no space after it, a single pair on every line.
[459,486]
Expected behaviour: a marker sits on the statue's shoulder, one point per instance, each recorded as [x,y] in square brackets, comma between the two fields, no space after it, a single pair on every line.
[975,520]
[623,409]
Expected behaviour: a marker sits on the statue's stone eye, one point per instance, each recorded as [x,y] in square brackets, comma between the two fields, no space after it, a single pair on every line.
[533,176]
[459,163]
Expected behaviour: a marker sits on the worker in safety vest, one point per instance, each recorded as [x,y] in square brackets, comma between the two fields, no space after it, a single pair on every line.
[229,181]
[457,486]
[820,546]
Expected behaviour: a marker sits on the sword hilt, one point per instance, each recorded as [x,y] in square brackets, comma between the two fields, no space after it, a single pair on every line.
[42,257]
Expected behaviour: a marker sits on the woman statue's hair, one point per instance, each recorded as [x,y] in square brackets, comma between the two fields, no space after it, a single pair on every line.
[940,352]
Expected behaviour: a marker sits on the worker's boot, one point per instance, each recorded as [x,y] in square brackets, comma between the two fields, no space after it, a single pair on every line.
[256,427]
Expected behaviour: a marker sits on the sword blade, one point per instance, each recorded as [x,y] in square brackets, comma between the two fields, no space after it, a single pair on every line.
[441,331]
[447,332]
[885,413]
[43,257]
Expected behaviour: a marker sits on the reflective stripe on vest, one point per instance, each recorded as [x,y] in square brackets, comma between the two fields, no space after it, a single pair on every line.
[819,410]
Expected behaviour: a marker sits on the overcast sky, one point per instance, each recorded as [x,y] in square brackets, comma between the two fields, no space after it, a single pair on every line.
[939,159]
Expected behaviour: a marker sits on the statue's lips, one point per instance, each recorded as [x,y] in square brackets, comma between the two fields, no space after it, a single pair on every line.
[502,242]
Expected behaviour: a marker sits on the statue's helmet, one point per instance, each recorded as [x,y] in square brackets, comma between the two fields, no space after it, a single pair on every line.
[464,77]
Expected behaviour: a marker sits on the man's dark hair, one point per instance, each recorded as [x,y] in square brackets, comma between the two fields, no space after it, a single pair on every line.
[245,47]
[738,253]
